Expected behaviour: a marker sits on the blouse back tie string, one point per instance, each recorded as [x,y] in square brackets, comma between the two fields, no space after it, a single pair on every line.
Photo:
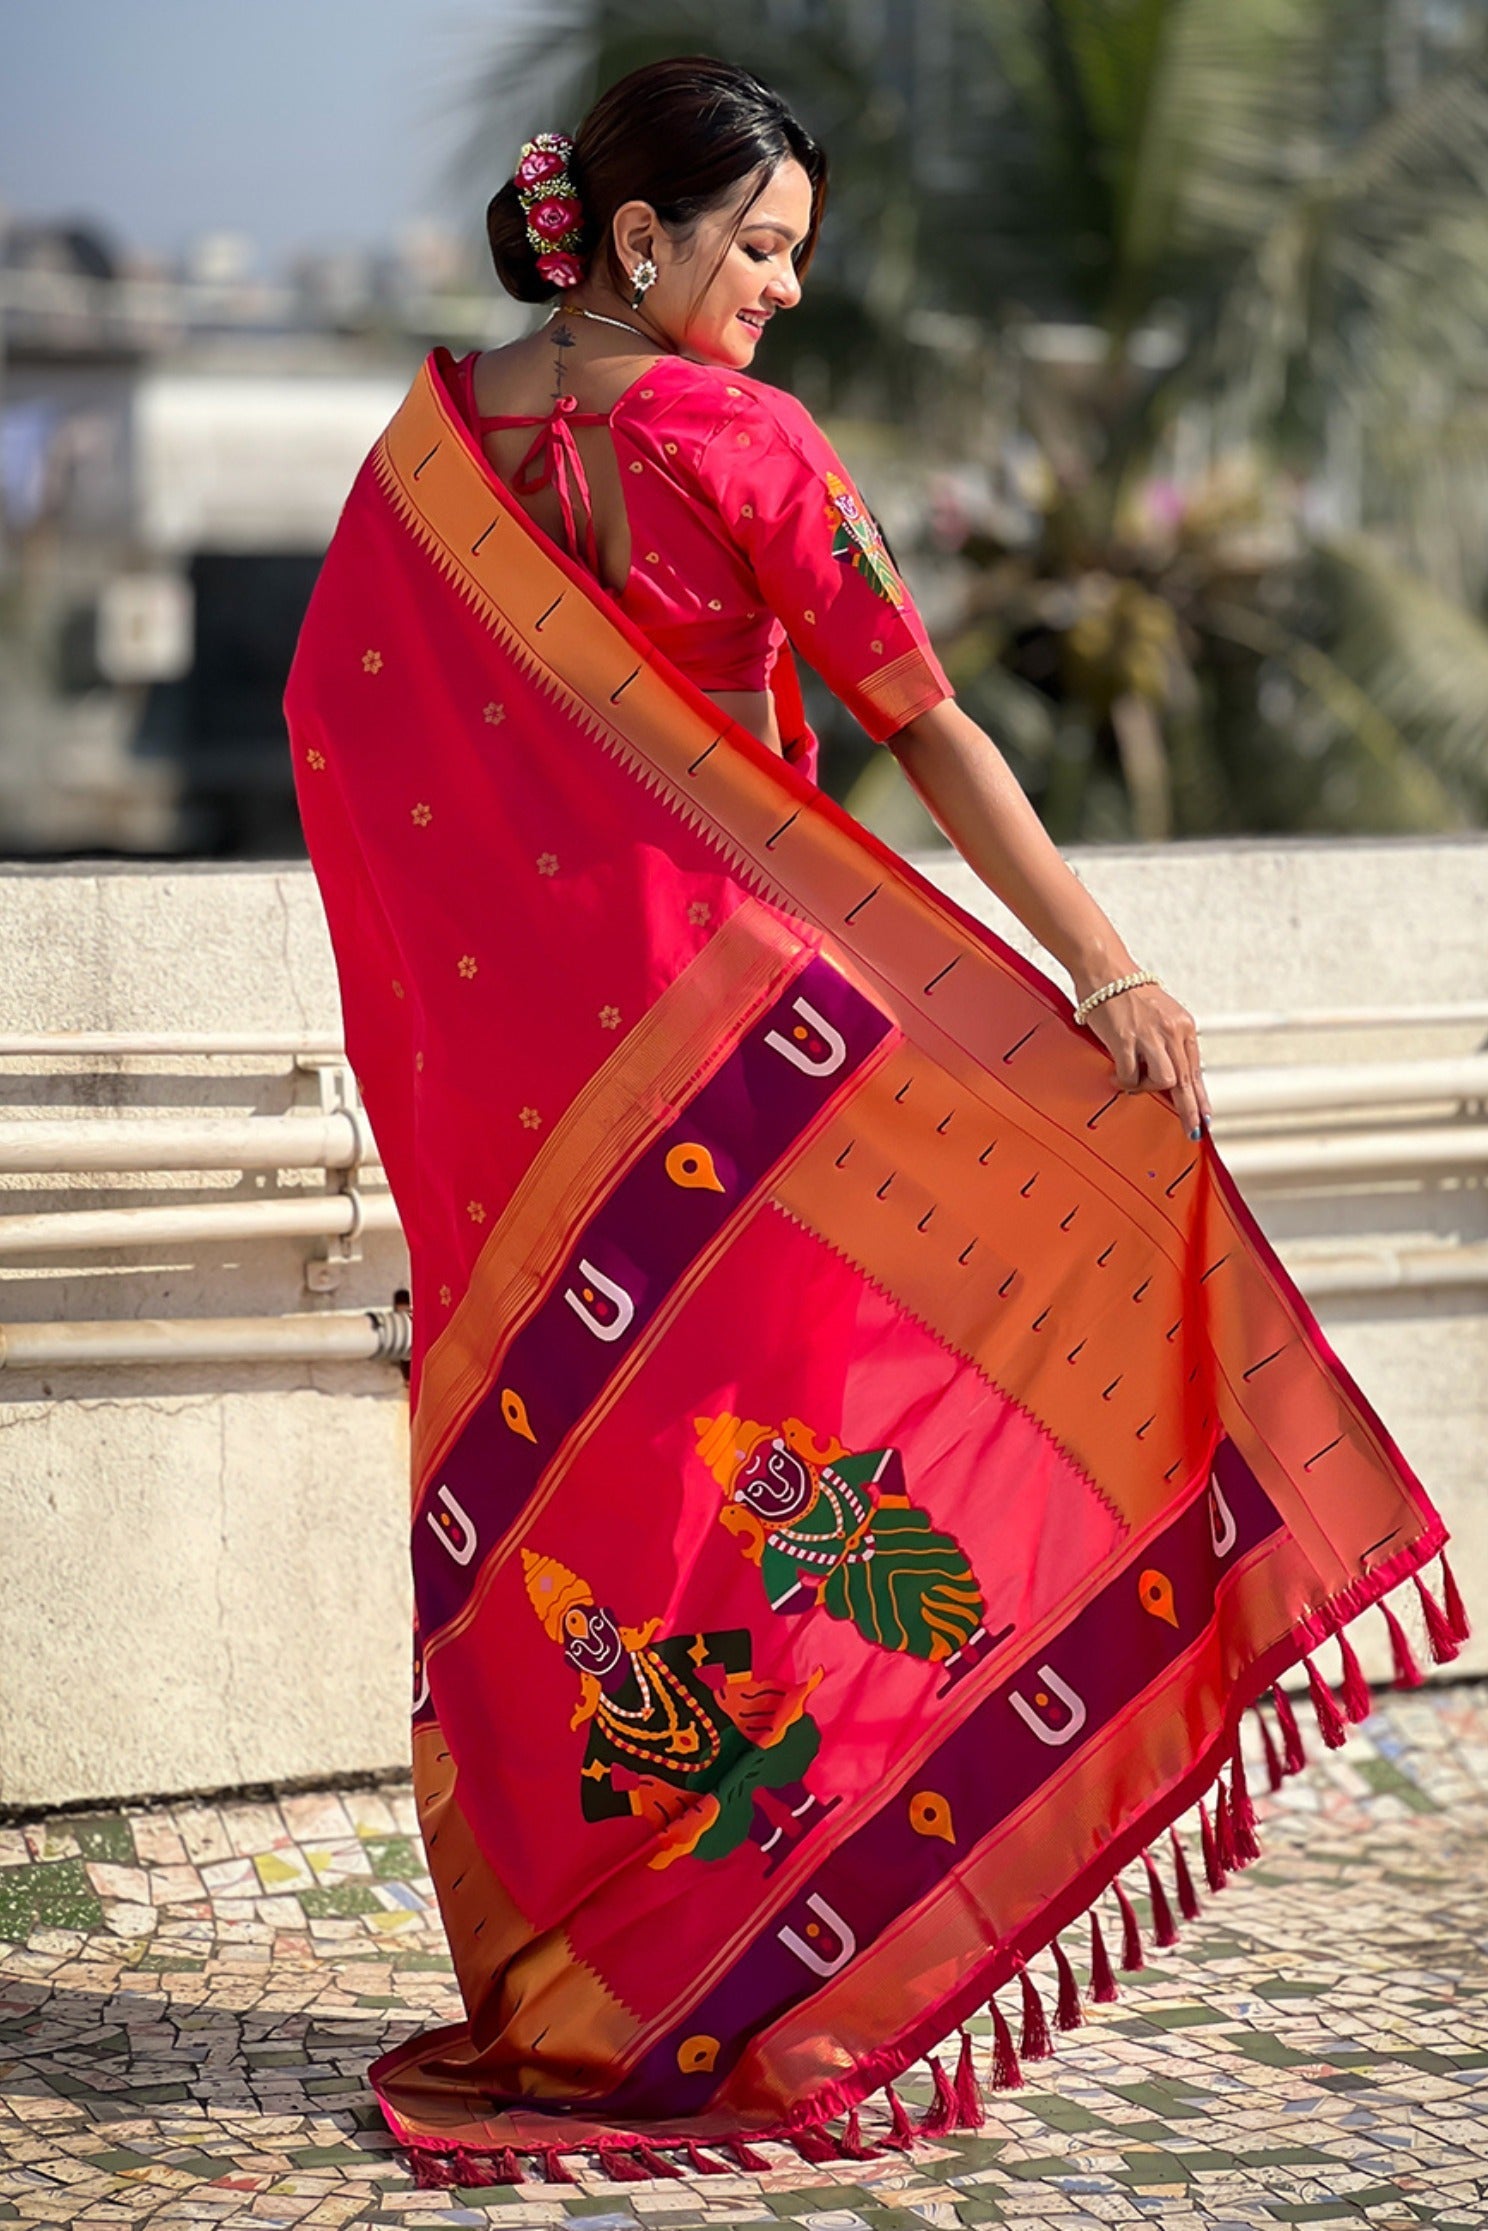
[553,461]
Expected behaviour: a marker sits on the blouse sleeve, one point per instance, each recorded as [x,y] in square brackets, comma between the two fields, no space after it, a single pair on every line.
[819,560]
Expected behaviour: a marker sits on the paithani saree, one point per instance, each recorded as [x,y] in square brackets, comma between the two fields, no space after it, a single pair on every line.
[865,1465]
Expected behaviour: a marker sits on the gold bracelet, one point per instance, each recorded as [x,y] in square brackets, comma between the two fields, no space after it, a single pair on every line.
[1109,991]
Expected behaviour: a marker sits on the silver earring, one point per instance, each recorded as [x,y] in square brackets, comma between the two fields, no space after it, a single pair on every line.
[645,275]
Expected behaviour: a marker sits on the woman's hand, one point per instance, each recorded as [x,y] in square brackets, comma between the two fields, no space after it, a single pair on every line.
[1154,1043]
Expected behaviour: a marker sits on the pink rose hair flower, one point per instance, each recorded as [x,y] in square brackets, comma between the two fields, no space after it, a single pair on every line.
[561,270]
[556,217]
[539,164]
[550,202]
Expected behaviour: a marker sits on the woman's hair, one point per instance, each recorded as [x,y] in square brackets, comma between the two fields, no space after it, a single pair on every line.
[679,134]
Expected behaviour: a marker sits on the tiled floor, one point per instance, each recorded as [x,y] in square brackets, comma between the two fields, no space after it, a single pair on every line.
[188,1999]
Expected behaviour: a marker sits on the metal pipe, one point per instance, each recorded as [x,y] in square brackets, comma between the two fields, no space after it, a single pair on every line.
[1349,1018]
[328,1044]
[1337,1154]
[1361,1084]
[1380,1270]
[386,1335]
[349,1336]
[308,1042]
[313,1217]
[130,1143]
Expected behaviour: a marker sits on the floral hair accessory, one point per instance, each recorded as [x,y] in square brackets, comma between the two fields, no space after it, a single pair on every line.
[551,204]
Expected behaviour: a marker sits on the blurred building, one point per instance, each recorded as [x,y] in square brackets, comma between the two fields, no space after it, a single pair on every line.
[175,448]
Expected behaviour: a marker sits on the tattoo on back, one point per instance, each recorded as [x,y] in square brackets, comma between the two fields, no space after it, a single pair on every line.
[562,339]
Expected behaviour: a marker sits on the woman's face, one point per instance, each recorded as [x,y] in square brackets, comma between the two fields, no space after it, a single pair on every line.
[753,274]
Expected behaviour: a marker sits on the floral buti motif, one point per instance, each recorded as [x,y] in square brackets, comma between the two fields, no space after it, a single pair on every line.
[859,540]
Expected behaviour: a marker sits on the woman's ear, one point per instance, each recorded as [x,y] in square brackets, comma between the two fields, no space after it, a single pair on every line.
[636,232]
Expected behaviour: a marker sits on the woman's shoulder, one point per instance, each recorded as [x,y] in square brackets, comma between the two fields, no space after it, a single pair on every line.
[716,401]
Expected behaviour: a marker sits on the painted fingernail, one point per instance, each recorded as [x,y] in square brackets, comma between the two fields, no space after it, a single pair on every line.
[1195,1134]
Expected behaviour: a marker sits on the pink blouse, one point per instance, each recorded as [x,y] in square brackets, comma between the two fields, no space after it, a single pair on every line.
[744,529]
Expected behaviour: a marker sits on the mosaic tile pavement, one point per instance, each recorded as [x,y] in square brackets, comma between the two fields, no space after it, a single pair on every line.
[189,1996]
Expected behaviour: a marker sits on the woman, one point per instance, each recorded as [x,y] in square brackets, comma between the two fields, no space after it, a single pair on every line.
[866,1457]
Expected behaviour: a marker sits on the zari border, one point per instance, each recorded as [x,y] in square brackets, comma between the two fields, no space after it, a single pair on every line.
[686,1033]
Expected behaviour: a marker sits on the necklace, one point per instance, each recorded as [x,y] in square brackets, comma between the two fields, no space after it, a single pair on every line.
[622,325]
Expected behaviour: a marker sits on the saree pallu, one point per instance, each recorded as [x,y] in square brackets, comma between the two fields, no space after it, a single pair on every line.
[864,1463]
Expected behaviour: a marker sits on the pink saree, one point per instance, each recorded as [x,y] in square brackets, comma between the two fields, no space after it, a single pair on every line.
[865,1465]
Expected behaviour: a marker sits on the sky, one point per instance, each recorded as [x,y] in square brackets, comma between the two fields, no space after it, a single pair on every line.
[318,123]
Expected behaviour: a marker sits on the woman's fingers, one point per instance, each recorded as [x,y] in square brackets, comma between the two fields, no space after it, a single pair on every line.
[1155,1047]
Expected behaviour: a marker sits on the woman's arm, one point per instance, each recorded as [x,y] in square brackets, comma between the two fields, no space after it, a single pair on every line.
[973,794]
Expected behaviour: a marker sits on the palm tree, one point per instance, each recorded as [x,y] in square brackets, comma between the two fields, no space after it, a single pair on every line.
[1199,291]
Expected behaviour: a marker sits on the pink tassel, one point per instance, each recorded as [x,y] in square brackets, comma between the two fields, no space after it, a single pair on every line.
[852,2141]
[555,2170]
[620,2163]
[1035,2043]
[815,2144]
[504,2167]
[1163,1930]
[1188,1903]
[1268,1745]
[969,2114]
[704,2164]
[1444,1644]
[1242,1811]
[1007,2076]
[902,2135]
[1214,1874]
[1331,1725]
[1224,1830]
[431,2170]
[1293,1757]
[1102,1982]
[656,2165]
[1354,1693]
[1456,1610]
[1408,1674]
[745,2156]
[1131,1935]
[1067,2015]
[940,2115]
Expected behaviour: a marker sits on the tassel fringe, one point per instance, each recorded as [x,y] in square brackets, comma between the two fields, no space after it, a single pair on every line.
[1293,1757]
[1164,1929]
[1102,1981]
[1224,1831]
[969,2114]
[746,2156]
[1331,1724]
[1456,1611]
[1007,2076]
[1131,1936]
[1188,1900]
[1408,1674]
[1354,1692]
[1067,2015]
[853,2147]
[902,2132]
[1213,1872]
[1268,1745]
[1444,1644]
[940,2116]
[1035,2044]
